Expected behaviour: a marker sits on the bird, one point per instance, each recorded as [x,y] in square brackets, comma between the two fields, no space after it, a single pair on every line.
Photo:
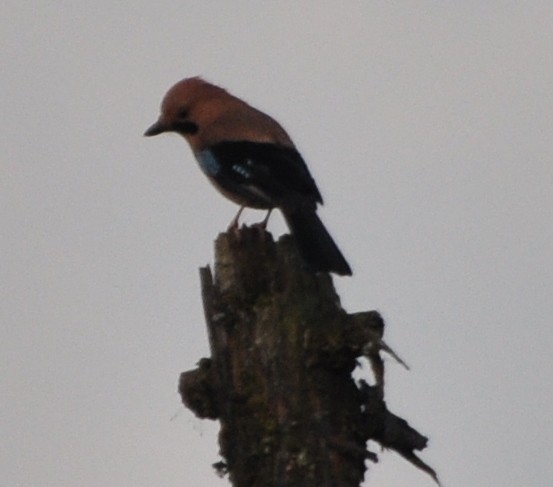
[250,159]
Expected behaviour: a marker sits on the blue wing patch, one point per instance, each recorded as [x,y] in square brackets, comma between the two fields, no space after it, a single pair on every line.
[212,167]
[208,163]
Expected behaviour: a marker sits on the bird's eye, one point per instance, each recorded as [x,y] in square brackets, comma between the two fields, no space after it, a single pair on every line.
[183,114]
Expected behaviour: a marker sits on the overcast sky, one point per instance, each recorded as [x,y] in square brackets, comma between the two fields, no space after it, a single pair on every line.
[429,129]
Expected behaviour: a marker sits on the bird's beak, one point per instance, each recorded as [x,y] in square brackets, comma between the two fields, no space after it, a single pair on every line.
[156,129]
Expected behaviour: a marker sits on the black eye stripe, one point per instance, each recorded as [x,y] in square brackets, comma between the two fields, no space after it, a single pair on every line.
[185,127]
[183,114]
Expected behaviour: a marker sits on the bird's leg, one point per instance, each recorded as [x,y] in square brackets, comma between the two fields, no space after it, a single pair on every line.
[262,225]
[234,225]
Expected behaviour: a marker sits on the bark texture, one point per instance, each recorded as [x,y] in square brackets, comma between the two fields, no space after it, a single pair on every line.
[279,376]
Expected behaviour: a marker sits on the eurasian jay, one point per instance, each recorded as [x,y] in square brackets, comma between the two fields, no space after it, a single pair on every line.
[252,161]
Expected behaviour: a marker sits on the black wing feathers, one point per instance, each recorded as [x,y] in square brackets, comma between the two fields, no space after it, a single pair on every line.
[278,172]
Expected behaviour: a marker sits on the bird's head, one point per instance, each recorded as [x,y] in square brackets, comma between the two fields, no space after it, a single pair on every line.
[188,105]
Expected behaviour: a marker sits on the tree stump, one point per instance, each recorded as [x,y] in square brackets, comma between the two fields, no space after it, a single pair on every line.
[279,376]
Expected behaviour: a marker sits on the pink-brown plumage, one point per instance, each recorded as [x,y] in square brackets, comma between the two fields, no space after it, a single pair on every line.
[219,116]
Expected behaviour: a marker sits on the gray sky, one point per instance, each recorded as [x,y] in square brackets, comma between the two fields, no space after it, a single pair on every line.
[429,129]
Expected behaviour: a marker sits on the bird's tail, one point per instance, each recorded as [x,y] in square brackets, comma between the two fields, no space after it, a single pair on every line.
[315,244]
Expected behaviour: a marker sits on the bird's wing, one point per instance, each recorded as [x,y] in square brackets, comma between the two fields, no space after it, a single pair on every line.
[276,174]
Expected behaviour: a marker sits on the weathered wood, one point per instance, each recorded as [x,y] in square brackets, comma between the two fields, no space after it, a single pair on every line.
[279,376]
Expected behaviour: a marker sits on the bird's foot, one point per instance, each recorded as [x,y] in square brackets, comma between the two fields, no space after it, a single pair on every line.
[234,225]
[262,225]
